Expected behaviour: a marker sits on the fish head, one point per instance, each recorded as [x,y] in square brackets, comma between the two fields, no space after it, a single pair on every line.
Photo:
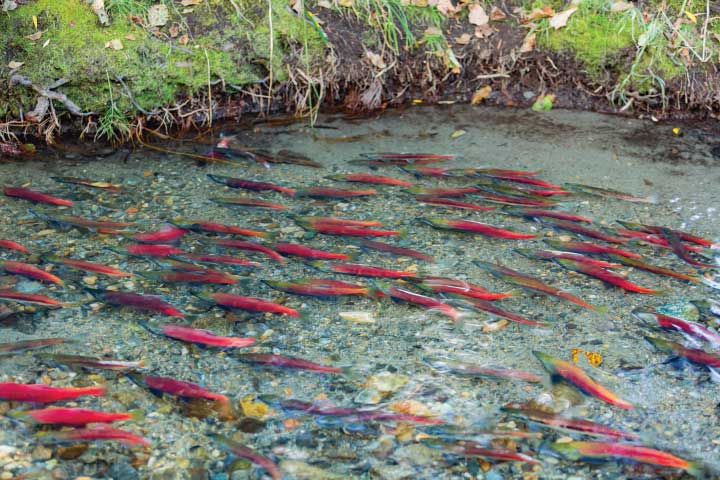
[205,296]
[664,346]
[644,315]
[567,450]
[548,361]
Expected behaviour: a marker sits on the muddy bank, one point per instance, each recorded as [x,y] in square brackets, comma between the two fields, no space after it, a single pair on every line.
[114,69]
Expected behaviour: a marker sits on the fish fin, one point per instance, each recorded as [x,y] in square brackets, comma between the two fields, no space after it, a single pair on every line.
[697,470]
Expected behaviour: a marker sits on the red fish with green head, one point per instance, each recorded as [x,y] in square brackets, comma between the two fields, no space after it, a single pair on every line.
[204,337]
[540,212]
[41,393]
[421,300]
[581,230]
[552,255]
[297,250]
[152,250]
[658,230]
[319,287]
[251,455]
[640,265]
[612,451]
[560,370]
[167,234]
[395,250]
[694,355]
[14,347]
[530,283]
[30,271]
[669,322]
[472,226]
[272,360]
[35,196]
[251,184]
[250,246]
[460,287]
[11,245]
[138,301]
[590,248]
[97,432]
[203,226]
[249,304]
[31,298]
[181,388]
[87,266]
[606,276]
[363,270]
[369,178]
[451,203]
[72,417]
[565,423]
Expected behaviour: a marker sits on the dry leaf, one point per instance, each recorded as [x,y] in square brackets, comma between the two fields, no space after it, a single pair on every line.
[477,15]
[189,3]
[114,44]
[481,94]
[496,14]
[620,6]
[174,31]
[375,59]
[34,19]
[457,134]
[445,7]
[34,36]
[691,16]
[544,12]
[184,39]
[347,3]
[297,5]
[15,65]
[158,15]
[529,43]
[463,39]
[483,31]
[130,37]
[559,20]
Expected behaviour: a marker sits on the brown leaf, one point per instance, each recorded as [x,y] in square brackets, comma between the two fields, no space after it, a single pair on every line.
[620,6]
[477,15]
[529,43]
[445,7]
[114,44]
[184,39]
[483,31]
[559,20]
[130,37]
[15,65]
[496,14]
[546,11]
[34,36]
[481,94]
[463,39]
[174,31]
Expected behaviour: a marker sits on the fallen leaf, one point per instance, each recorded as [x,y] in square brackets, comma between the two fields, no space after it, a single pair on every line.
[375,59]
[481,94]
[173,31]
[463,39]
[157,15]
[546,11]
[34,19]
[620,6]
[347,3]
[483,31]
[15,65]
[529,43]
[9,5]
[188,3]
[130,37]
[445,7]
[357,317]
[477,15]
[34,36]
[184,39]
[457,134]
[691,16]
[114,44]
[544,103]
[559,20]
[496,14]
[297,5]
[327,4]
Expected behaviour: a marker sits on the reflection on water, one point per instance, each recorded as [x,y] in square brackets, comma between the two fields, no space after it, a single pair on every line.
[396,370]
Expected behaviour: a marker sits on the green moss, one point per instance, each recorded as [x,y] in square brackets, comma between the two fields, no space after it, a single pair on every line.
[594,38]
[157,70]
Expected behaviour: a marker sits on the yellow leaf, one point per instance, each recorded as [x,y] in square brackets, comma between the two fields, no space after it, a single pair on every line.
[34,19]
[481,94]
[188,3]
[457,134]
[253,409]
[691,16]
[529,43]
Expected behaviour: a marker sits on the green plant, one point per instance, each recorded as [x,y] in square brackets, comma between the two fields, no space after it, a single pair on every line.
[113,125]
[390,16]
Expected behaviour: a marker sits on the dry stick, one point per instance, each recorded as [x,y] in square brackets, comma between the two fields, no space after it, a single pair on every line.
[210,109]
[270,84]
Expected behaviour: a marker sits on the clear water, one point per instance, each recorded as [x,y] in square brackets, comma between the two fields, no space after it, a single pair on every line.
[677,410]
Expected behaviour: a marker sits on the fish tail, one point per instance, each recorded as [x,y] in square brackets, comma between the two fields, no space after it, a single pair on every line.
[137,415]
[696,469]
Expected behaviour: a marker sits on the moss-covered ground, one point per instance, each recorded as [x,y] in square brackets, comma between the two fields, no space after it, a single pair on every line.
[214,48]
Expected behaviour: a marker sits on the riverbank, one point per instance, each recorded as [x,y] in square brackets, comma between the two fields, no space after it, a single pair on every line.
[117,69]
